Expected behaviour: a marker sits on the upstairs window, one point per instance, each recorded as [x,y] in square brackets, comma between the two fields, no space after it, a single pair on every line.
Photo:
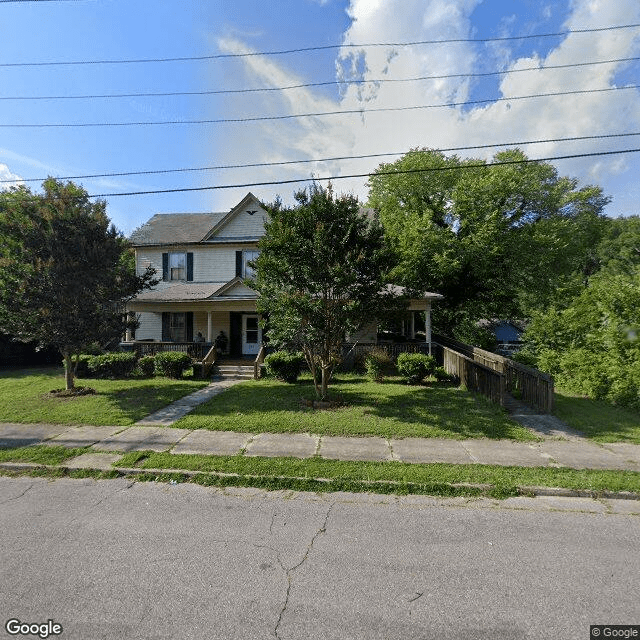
[177,266]
[243,258]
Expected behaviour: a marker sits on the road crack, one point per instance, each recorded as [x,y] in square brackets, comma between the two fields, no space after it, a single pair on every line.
[20,496]
[289,572]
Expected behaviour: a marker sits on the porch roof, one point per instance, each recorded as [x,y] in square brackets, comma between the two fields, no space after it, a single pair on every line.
[198,291]
[401,291]
[182,292]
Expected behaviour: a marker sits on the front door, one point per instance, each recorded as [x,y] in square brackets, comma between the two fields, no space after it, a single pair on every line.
[251,335]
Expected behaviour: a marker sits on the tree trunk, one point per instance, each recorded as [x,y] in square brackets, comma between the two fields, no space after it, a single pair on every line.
[68,369]
[325,383]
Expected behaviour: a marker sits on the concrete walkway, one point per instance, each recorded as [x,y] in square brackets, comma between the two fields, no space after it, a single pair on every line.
[577,454]
[172,413]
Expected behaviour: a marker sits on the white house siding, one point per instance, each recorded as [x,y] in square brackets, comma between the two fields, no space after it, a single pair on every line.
[244,225]
[214,263]
[368,334]
[238,290]
[150,326]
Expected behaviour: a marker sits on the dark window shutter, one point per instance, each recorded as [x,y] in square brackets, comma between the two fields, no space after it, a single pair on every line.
[238,263]
[189,326]
[166,334]
[189,266]
[165,266]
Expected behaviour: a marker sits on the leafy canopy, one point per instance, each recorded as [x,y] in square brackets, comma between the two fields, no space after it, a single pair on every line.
[320,274]
[496,241]
[590,340]
[65,272]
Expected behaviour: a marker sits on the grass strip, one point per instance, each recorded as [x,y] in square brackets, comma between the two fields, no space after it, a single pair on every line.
[40,454]
[504,479]
[598,420]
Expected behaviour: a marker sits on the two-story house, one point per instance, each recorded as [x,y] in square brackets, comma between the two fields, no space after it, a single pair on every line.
[203,260]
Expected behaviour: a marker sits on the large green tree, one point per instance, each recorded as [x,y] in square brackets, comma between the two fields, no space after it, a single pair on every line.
[320,274]
[590,338]
[496,241]
[65,271]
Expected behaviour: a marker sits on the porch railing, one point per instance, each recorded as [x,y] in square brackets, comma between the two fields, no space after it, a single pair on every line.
[208,361]
[197,350]
[258,361]
[353,352]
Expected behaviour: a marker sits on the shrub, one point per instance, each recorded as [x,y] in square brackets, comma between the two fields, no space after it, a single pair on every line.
[284,365]
[414,367]
[172,364]
[82,368]
[112,365]
[441,375]
[377,363]
[147,366]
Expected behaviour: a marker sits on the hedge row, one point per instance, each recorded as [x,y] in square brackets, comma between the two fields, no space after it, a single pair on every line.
[171,364]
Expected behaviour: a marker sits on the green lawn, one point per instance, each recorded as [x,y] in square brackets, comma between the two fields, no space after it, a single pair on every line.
[390,409]
[23,398]
[597,420]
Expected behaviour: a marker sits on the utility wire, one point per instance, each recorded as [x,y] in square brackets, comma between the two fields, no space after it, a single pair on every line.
[313,114]
[366,175]
[320,84]
[219,56]
[331,159]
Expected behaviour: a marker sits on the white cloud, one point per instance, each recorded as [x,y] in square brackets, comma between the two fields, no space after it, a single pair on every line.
[6,174]
[409,20]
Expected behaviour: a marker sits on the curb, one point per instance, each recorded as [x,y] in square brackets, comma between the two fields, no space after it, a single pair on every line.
[125,472]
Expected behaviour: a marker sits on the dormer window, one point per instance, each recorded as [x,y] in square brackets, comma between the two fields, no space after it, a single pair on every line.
[177,266]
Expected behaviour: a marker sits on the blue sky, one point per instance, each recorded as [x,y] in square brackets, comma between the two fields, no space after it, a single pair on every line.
[90,30]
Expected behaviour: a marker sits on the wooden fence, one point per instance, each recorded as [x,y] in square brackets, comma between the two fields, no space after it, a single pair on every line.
[473,375]
[529,385]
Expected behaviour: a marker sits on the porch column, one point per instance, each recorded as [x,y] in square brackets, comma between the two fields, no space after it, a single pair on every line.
[412,329]
[209,327]
[427,325]
[128,334]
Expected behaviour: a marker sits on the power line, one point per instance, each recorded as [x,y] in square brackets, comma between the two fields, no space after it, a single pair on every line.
[331,159]
[219,56]
[365,175]
[320,84]
[313,114]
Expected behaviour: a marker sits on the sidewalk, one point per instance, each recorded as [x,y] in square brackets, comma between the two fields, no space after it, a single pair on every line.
[577,454]
[562,446]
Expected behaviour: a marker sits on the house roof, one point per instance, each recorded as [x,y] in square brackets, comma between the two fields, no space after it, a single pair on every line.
[185,228]
[175,228]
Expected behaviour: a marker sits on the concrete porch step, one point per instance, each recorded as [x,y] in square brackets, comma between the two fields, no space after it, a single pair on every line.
[233,371]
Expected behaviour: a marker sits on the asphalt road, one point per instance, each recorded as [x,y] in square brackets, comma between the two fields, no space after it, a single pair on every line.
[116,559]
